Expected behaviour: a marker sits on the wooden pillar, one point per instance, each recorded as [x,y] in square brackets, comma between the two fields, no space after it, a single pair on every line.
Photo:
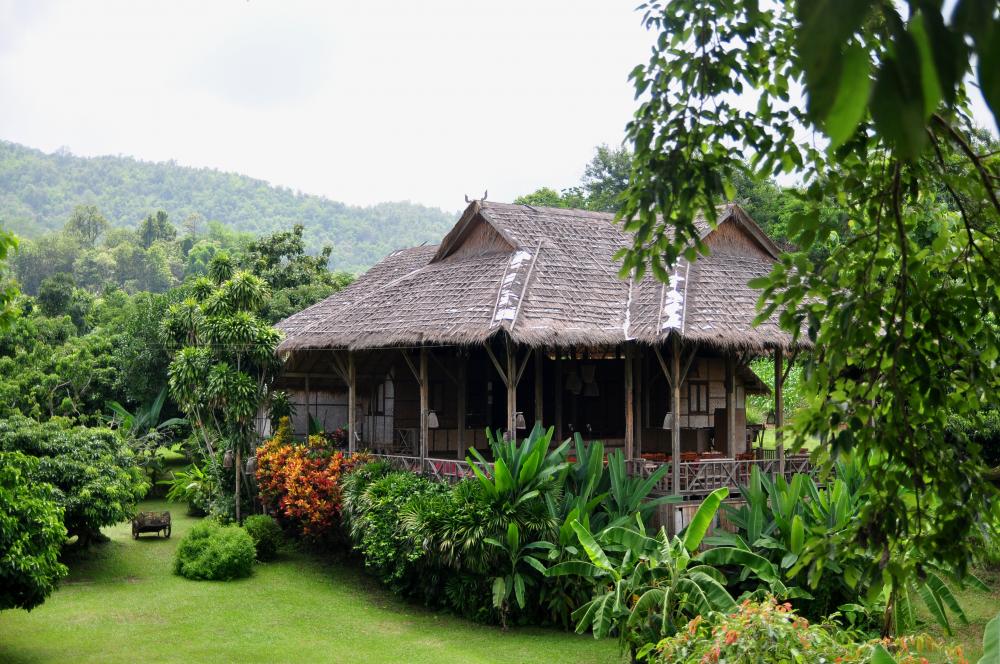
[779,408]
[462,369]
[629,406]
[424,407]
[558,403]
[539,386]
[675,434]
[730,406]
[352,404]
[308,399]
[511,390]
[638,375]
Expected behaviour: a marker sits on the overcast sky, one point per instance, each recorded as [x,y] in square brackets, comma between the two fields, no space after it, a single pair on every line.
[359,101]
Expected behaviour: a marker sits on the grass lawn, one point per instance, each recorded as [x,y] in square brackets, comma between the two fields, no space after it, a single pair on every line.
[979,608]
[122,603]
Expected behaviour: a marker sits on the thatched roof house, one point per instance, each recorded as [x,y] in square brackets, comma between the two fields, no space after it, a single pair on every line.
[655,367]
[546,276]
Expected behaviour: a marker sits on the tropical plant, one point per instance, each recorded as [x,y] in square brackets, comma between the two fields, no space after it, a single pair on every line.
[31,534]
[301,483]
[222,372]
[193,486]
[97,478]
[213,552]
[145,420]
[266,535]
[649,587]
[629,494]
[519,561]
[768,632]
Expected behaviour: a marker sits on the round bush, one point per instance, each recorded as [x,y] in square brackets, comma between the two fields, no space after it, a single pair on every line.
[266,535]
[215,553]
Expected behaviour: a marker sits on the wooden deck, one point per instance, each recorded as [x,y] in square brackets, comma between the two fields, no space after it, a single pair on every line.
[698,478]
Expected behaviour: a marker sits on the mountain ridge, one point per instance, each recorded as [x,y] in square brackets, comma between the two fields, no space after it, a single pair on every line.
[39,190]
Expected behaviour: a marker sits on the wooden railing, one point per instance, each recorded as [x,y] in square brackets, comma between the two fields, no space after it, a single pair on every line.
[696,477]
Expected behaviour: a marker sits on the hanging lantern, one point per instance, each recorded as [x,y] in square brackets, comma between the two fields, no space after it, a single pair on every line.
[668,421]
[432,420]
[519,422]
[252,465]
[227,459]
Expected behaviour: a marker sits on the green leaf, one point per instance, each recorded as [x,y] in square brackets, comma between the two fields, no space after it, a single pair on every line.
[928,71]
[499,592]
[852,96]
[702,519]
[935,606]
[592,548]
[576,568]
[989,72]
[944,593]
[761,566]
[991,642]
[519,590]
[881,656]
[898,106]
[797,536]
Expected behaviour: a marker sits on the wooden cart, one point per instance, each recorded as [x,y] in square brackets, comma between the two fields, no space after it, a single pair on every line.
[151,522]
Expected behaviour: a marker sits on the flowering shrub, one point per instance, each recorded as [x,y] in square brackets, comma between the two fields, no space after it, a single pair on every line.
[301,482]
[769,632]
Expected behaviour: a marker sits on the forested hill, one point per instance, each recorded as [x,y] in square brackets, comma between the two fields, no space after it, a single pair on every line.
[38,192]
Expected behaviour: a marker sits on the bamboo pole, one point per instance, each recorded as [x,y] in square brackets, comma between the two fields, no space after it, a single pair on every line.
[511,390]
[639,414]
[558,397]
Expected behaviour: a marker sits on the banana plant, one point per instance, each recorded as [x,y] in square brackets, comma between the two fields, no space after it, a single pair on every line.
[629,495]
[649,587]
[520,471]
[517,576]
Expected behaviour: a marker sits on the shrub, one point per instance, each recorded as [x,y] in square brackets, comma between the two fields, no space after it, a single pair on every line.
[97,478]
[215,552]
[266,535]
[771,633]
[31,534]
[193,486]
[302,482]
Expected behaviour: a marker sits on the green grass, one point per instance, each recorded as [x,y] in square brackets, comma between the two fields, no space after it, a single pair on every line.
[979,608]
[122,603]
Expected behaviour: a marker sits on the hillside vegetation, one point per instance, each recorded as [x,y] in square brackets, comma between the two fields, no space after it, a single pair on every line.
[39,191]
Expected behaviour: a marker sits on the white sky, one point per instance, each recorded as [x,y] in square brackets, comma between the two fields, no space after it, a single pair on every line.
[424,100]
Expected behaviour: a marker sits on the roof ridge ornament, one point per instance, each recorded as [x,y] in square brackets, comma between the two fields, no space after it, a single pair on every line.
[481,200]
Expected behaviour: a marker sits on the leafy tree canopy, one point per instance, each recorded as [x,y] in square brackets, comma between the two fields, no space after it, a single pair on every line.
[902,310]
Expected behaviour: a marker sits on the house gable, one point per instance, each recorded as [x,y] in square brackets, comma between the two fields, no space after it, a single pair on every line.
[473,235]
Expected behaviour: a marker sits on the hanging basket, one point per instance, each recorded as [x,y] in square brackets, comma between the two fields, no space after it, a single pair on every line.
[251,466]
[227,459]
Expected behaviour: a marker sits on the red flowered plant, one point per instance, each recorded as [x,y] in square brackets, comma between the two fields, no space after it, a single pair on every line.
[301,482]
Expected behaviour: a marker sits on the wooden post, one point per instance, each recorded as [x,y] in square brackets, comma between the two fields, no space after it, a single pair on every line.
[308,399]
[511,390]
[558,382]
[779,408]
[462,368]
[730,407]
[539,385]
[629,406]
[352,404]
[675,434]
[638,375]
[424,407]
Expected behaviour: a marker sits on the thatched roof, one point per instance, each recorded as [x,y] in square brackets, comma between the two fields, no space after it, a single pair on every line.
[546,276]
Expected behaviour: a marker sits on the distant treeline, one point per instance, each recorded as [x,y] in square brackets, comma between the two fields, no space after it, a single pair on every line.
[38,193]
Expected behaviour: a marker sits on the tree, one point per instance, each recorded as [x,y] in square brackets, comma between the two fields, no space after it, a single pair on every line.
[94,471]
[8,292]
[606,177]
[31,534]
[55,294]
[222,373]
[86,223]
[903,310]
[155,227]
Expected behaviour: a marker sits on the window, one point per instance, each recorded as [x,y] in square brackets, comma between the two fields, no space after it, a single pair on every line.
[697,398]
